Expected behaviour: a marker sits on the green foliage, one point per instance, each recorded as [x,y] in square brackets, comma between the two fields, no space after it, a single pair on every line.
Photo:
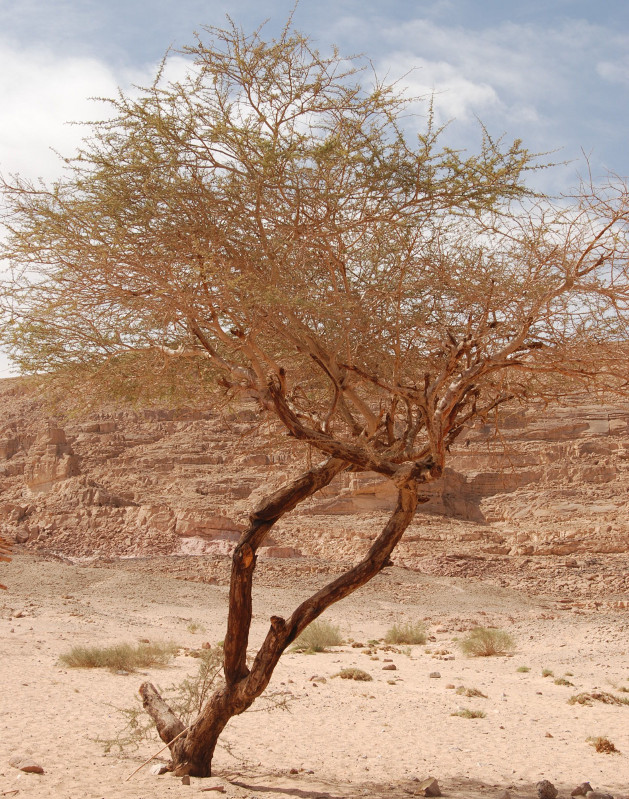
[547,673]
[354,674]
[523,669]
[485,642]
[407,633]
[318,636]
[119,657]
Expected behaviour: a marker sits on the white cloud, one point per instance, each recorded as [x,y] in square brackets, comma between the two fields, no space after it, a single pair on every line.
[614,71]
[42,91]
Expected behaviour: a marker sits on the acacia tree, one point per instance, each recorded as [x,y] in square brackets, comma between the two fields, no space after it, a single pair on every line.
[268,226]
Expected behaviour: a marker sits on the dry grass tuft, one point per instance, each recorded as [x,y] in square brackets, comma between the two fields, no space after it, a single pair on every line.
[354,674]
[471,692]
[604,745]
[119,657]
[586,698]
[407,633]
[485,642]
[466,713]
[318,636]
[563,681]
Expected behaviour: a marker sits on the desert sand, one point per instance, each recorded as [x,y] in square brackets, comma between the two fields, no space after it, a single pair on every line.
[339,738]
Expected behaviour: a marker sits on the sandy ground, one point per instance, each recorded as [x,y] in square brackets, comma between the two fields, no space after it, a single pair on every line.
[344,738]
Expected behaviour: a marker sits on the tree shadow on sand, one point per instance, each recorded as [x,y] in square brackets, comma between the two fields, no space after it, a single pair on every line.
[305,786]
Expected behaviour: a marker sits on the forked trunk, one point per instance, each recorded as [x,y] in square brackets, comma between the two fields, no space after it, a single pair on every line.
[193,749]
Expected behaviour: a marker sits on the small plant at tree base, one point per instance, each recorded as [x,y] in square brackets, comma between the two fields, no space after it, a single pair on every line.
[119,657]
[547,673]
[471,692]
[354,674]
[485,642]
[602,744]
[186,699]
[466,713]
[407,633]
[523,669]
[318,636]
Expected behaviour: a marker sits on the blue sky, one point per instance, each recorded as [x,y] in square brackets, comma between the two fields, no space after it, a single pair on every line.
[552,72]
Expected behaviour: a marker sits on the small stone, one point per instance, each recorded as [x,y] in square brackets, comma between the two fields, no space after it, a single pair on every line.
[546,790]
[429,787]
[122,673]
[389,667]
[25,764]
[581,790]
[450,685]
[158,768]
[434,675]
[206,645]
[294,771]
[144,640]
[598,795]
[548,735]
[185,780]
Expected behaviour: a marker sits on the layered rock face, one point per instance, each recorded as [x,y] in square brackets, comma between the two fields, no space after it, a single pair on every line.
[158,481]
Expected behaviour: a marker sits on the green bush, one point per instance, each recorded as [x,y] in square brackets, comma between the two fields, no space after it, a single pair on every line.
[318,636]
[119,657]
[407,633]
[485,642]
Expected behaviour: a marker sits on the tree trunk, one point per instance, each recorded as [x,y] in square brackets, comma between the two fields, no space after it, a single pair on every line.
[192,753]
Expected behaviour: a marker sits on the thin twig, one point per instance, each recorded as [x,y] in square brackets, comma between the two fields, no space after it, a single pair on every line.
[152,757]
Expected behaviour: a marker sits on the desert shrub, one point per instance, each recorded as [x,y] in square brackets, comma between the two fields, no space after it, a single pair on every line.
[586,698]
[119,657]
[563,681]
[354,674]
[318,636]
[407,633]
[547,673]
[602,744]
[195,627]
[485,642]
[466,713]
[523,669]
[463,691]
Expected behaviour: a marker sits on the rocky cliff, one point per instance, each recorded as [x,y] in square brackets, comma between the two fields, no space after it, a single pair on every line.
[156,481]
